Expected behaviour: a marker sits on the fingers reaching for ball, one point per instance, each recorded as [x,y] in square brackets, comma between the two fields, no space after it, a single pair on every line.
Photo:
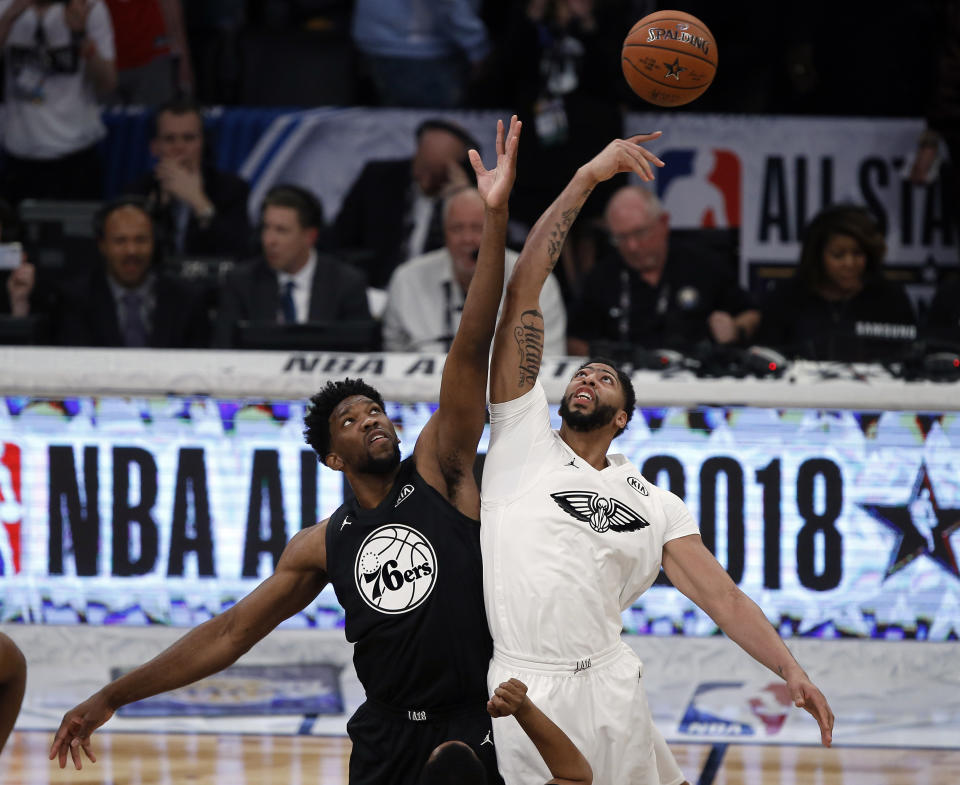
[625,155]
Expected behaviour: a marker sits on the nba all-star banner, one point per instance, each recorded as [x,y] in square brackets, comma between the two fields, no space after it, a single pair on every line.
[770,175]
[766,175]
[169,509]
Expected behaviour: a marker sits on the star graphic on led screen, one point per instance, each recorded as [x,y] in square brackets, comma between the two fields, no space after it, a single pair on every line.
[674,69]
[921,526]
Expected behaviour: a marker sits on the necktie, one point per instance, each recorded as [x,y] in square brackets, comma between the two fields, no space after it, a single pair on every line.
[287,306]
[134,330]
[434,238]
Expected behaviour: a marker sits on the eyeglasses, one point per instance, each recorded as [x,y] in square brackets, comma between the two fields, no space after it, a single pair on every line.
[186,138]
[636,235]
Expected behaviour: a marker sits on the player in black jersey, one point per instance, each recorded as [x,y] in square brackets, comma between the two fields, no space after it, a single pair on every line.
[403,556]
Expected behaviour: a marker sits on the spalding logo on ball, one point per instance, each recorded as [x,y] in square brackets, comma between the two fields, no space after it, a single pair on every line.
[669,58]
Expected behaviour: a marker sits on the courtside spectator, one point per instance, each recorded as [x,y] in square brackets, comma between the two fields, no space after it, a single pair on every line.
[426,294]
[126,301]
[648,293]
[838,306]
[393,210]
[200,210]
[290,283]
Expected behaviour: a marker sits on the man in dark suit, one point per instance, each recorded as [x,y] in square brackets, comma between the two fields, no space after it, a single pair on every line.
[126,302]
[393,211]
[200,210]
[291,283]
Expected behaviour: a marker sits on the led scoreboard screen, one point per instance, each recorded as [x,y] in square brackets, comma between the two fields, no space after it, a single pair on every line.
[167,510]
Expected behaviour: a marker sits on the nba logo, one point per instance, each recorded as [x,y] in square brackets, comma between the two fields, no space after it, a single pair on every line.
[11,509]
[700,188]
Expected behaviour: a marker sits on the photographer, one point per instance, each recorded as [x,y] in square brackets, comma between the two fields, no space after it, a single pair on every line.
[58,58]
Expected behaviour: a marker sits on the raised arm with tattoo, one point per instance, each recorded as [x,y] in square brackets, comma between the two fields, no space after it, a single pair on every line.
[518,344]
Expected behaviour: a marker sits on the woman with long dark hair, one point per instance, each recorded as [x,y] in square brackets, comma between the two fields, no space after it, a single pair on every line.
[838,305]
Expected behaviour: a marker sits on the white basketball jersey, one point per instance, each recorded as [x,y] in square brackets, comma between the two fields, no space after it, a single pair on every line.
[565,547]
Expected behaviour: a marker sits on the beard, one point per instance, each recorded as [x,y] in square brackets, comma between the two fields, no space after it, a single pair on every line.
[382,465]
[602,415]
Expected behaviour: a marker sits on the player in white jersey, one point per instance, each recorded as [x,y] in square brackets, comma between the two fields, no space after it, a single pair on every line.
[571,536]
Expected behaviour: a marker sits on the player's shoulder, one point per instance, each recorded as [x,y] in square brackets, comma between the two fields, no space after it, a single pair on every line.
[307,539]
[307,549]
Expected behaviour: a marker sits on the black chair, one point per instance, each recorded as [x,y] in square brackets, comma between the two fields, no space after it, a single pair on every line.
[33,330]
[345,336]
[59,236]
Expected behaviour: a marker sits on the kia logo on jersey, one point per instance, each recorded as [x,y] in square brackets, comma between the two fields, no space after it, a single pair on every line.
[701,188]
[11,509]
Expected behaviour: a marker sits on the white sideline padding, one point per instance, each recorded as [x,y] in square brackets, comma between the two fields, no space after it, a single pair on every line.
[883,693]
[405,378]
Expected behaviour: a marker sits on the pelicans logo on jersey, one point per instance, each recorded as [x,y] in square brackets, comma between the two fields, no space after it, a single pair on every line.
[601,513]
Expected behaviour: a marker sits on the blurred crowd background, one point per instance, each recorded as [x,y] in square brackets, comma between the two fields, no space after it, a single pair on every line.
[172,257]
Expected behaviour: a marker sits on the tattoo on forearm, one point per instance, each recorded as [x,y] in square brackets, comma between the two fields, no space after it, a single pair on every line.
[529,336]
[559,234]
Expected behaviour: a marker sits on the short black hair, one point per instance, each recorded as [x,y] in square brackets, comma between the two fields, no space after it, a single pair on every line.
[308,208]
[461,133]
[316,432]
[454,764]
[109,208]
[179,106]
[629,395]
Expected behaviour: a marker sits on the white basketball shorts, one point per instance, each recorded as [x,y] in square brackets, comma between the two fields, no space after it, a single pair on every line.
[601,704]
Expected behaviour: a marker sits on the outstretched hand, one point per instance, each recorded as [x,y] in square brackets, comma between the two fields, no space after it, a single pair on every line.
[806,696]
[507,699]
[624,155]
[74,732]
[495,184]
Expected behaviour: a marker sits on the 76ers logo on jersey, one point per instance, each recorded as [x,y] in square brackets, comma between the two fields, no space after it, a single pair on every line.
[396,569]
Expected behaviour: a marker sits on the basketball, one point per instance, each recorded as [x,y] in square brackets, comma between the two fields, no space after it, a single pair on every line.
[669,58]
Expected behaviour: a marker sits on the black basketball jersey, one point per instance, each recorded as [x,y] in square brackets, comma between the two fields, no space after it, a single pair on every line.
[409,578]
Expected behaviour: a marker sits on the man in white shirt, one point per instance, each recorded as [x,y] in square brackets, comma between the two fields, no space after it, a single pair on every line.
[426,294]
[59,57]
[291,283]
[392,211]
[571,536]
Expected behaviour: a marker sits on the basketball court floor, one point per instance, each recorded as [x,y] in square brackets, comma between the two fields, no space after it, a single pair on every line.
[235,759]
